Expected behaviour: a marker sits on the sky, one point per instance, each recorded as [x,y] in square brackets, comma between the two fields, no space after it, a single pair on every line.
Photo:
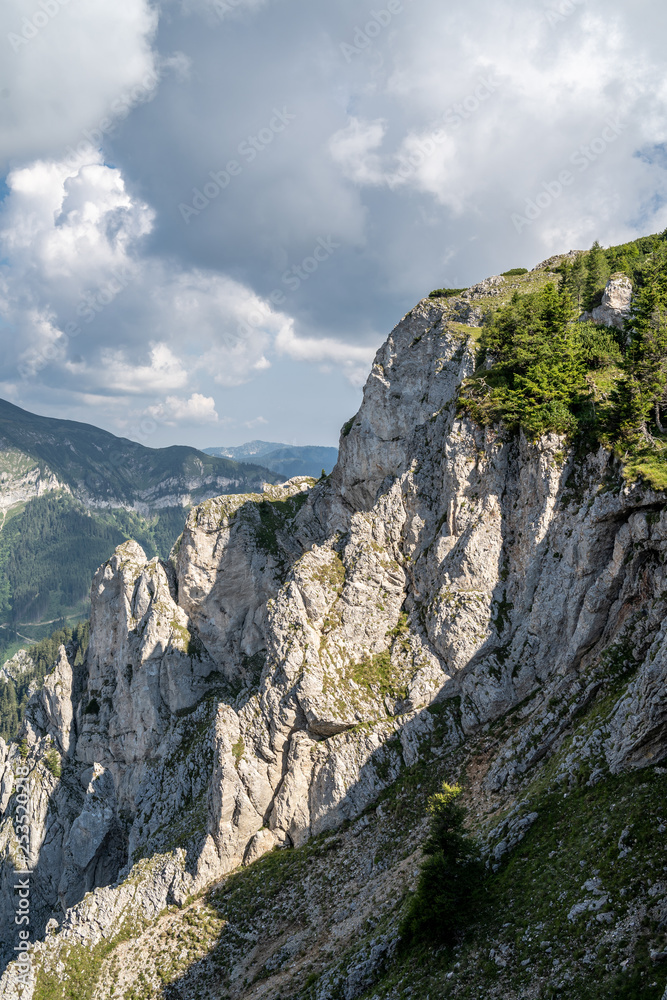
[213,212]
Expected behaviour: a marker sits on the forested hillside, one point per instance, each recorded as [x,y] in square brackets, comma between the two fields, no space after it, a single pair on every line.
[50,549]
[541,368]
[16,689]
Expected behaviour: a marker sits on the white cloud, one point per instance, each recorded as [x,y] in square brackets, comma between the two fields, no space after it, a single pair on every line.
[354,360]
[75,282]
[122,376]
[353,149]
[197,409]
[67,68]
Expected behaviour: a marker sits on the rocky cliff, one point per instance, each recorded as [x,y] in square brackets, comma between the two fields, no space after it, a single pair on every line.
[451,597]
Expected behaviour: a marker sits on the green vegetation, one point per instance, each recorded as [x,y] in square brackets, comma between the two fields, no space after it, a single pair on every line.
[514,272]
[445,293]
[49,552]
[79,975]
[540,362]
[449,893]
[542,370]
[52,761]
[526,940]
[238,750]
[378,676]
[14,693]
[273,517]
[332,574]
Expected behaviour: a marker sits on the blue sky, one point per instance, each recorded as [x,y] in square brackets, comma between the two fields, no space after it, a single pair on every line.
[213,212]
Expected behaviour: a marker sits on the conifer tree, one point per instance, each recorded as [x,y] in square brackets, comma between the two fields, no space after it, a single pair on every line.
[573,280]
[449,892]
[597,273]
[646,359]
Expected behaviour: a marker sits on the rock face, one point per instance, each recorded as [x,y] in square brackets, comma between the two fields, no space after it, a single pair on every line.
[616,300]
[271,680]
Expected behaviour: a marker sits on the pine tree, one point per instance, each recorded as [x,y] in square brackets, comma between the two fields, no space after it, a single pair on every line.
[646,359]
[449,892]
[597,273]
[573,279]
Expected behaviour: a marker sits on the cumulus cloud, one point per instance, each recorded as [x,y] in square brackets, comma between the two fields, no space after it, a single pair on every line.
[97,313]
[67,68]
[197,409]
[353,360]
[418,150]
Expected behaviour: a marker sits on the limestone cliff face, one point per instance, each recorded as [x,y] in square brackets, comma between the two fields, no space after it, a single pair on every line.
[250,693]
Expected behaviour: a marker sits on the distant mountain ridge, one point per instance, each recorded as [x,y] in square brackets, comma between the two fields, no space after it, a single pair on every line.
[285,459]
[70,493]
[42,453]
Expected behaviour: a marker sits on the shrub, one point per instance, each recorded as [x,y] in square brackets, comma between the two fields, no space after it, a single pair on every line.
[52,761]
[514,272]
[449,891]
[445,293]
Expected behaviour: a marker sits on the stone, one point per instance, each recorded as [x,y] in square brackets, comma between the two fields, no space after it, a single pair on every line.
[616,303]
[304,644]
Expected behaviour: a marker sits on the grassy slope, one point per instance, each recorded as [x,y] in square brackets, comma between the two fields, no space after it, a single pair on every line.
[293,924]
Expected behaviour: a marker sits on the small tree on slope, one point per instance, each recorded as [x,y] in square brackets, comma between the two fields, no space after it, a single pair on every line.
[449,892]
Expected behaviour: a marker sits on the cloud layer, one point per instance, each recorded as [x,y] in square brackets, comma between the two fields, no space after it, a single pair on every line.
[215,210]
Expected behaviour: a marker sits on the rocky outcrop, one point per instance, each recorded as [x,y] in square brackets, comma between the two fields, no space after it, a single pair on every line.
[267,683]
[23,479]
[616,303]
[16,666]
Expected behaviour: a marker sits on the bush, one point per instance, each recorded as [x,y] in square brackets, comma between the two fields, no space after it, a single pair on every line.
[449,892]
[445,293]
[514,272]
[52,761]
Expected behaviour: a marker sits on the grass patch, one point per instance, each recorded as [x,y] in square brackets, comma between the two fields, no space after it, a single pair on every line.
[377,674]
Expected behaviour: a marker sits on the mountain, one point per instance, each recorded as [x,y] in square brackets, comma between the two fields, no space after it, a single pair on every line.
[287,460]
[400,732]
[252,449]
[102,470]
[70,493]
